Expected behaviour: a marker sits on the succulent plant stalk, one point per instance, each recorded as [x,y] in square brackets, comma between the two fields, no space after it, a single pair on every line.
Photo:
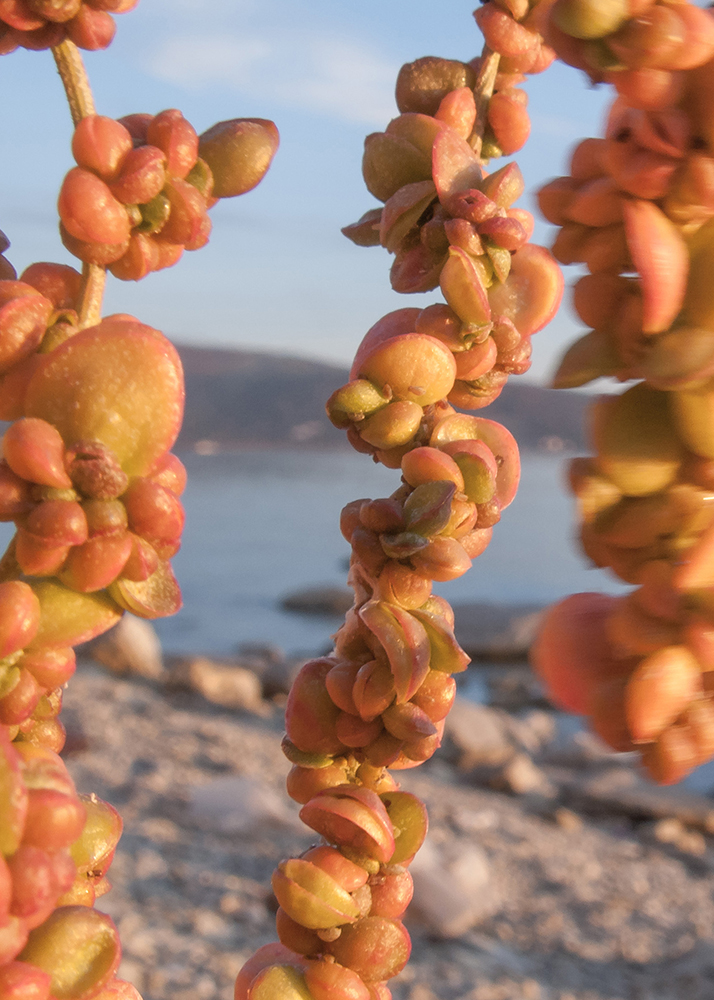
[378,702]
[89,480]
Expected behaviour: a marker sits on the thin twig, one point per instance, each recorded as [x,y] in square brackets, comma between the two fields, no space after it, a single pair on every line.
[483,92]
[81,103]
[74,77]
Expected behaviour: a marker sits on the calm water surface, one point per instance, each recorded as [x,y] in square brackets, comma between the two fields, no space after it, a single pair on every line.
[261,525]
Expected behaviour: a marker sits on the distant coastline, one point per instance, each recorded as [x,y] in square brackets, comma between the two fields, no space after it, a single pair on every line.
[248,400]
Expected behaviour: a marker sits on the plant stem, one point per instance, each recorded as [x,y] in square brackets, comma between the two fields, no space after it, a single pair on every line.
[74,77]
[483,92]
[81,103]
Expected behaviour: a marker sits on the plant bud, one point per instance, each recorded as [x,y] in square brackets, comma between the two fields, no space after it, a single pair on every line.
[373,689]
[331,981]
[89,211]
[142,176]
[407,722]
[35,557]
[426,464]
[354,401]
[264,957]
[339,682]
[143,561]
[590,18]
[436,695]
[154,512]
[95,471]
[672,756]
[659,689]
[312,897]
[310,714]
[349,875]
[101,144]
[13,797]
[19,616]
[24,315]
[238,153]
[353,816]
[405,642]
[382,515]
[19,702]
[58,522]
[20,981]
[443,559]
[392,892]
[636,441]
[304,782]
[376,948]
[79,949]
[423,84]
[34,450]
[95,564]
[176,138]
[156,597]
[393,425]
[428,510]
[93,850]
[51,668]
[54,819]
[279,982]
[15,496]
[409,817]
[398,584]
[170,472]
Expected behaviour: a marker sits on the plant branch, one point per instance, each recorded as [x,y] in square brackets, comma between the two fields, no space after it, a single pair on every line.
[74,77]
[70,66]
[483,92]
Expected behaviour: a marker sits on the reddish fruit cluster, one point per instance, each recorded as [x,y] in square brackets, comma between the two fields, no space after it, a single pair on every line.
[380,699]
[140,193]
[451,224]
[641,47]
[37,314]
[88,478]
[43,24]
[640,200]
[77,515]
[637,209]
[55,850]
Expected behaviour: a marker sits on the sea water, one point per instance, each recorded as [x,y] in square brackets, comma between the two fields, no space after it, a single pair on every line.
[261,525]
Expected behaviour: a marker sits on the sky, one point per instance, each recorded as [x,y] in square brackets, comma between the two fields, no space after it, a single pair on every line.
[277,274]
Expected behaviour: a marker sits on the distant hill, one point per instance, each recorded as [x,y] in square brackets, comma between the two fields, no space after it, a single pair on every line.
[248,398]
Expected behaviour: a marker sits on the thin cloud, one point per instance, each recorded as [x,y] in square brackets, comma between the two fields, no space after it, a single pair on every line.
[325,74]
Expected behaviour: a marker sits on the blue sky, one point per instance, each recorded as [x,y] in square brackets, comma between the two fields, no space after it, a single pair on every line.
[277,274]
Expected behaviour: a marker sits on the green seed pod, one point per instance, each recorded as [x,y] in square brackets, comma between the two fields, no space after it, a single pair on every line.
[422,84]
[354,401]
[238,153]
[589,18]
[154,214]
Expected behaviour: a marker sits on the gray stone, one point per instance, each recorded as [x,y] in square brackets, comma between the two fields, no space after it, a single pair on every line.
[278,677]
[476,735]
[131,647]
[521,776]
[330,601]
[452,890]
[495,631]
[240,805]
[222,684]
[533,730]
[618,790]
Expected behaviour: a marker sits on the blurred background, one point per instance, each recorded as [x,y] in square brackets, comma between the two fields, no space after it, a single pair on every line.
[286,298]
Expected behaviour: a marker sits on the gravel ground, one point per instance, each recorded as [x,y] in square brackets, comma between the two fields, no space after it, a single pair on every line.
[573,908]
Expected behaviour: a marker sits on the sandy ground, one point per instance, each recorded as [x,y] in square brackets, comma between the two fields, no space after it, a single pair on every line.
[569,907]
